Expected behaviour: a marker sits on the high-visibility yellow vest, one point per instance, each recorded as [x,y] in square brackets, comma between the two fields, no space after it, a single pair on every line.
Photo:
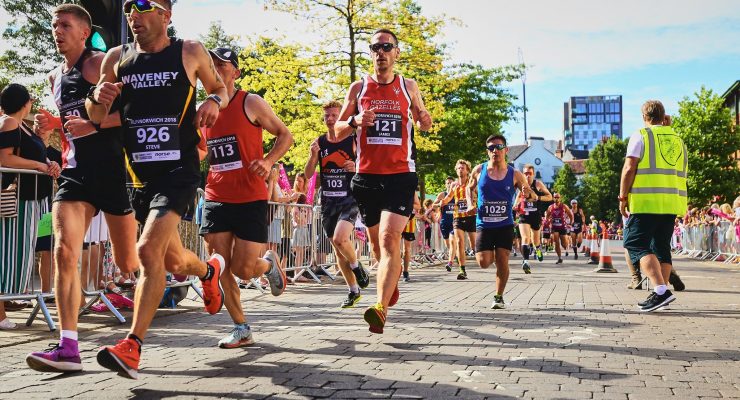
[660,183]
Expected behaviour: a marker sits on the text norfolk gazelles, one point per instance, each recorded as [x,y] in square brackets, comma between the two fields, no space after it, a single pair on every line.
[152,79]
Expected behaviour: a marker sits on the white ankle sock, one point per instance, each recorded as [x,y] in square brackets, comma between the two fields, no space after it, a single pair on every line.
[660,289]
[69,335]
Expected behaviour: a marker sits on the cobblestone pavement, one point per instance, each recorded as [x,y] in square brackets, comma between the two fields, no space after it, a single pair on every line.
[567,333]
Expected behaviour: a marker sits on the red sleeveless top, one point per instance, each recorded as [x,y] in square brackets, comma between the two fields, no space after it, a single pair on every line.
[233,142]
[388,146]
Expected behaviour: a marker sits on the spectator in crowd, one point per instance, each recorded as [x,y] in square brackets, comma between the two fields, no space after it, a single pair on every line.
[301,237]
[276,212]
[21,148]
[428,216]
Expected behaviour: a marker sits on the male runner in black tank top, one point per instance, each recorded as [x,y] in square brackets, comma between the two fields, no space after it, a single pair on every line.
[530,219]
[93,179]
[336,159]
[155,77]
[577,234]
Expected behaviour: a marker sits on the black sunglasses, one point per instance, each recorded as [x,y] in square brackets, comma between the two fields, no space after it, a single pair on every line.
[492,147]
[375,47]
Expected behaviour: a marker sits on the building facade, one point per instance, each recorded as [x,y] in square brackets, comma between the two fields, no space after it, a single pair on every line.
[540,153]
[589,119]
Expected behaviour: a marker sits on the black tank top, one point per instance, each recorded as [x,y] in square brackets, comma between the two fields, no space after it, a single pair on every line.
[532,207]
[577,217]
[334,179]
[87,152]
[157,111]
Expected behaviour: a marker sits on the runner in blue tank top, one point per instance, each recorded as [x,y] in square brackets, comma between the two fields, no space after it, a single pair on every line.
[492,187]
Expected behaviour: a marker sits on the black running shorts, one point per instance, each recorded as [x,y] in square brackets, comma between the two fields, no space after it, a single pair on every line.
[333,212]
[533,219]
[174,192]
[465,224]
[376,193]
[247,221]
[490,239]
[106,191]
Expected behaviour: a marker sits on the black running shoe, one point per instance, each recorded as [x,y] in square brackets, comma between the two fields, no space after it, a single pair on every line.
[448,267]
[406,276]
[352,299]
[525,267]
[559,261]
[649,298]
[363,278]
[655,302]
[462,276]
[676,282]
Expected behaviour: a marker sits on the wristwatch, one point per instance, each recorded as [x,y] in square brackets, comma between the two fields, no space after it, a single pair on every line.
[215,98]
[351,122]
[91,95]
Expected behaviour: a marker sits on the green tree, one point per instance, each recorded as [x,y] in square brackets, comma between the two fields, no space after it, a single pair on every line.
[601,181]
[29,32]
[476,107]
[566,184]
[283,77]
[705,126]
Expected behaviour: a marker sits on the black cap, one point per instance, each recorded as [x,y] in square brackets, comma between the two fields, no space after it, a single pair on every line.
[226,54]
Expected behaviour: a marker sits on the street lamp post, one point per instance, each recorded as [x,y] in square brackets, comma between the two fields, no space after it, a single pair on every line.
[524,90]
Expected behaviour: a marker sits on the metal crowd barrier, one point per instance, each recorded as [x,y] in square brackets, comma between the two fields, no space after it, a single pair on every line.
[19,277]
[709,242]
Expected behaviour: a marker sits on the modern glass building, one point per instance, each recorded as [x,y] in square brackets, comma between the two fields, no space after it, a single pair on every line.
[587,120]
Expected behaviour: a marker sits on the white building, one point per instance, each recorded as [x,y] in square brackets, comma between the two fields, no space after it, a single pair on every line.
[540,153]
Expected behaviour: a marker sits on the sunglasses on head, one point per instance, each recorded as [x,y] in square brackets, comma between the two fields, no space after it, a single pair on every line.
[375,47]
[492,147]
[141,6]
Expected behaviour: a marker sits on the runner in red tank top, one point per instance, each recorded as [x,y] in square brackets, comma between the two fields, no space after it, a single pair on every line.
[556,215]
[380,107]
[235,213]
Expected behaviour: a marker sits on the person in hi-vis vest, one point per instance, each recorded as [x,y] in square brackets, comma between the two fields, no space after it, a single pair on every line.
[652,193]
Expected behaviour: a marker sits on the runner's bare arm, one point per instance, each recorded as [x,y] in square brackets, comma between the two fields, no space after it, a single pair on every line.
[547,196]
[107,89]
[199,66]
[313,159]
[44,120]
[261,113]
[418,109]
[520,181]
[342,129]
[471,189]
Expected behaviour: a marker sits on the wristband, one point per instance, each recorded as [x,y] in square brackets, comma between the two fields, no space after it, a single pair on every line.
[91,95]
[351,122]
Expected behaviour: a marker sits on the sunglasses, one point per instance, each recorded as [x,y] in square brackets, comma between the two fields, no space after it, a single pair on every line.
[141,6]
[492,147]
[375,47]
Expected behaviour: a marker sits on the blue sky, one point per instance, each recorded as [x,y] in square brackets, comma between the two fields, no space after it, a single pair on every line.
[661,49]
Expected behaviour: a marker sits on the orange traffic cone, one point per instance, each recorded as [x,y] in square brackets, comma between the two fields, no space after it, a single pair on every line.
[587,244]
[594,250]
[605,259]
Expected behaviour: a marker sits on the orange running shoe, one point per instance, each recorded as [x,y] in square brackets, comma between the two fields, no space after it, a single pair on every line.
[122,358]
[394,297]
[213,293]
[375,317]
